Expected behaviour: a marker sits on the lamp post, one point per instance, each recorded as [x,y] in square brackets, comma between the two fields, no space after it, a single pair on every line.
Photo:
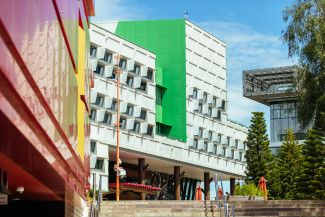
[118,72]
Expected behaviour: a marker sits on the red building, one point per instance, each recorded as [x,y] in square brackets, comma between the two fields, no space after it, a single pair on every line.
[44,91]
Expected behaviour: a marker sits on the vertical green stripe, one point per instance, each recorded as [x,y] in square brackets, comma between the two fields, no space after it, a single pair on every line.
[166,38]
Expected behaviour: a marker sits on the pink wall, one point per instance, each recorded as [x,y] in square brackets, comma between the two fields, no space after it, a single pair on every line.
[37,69]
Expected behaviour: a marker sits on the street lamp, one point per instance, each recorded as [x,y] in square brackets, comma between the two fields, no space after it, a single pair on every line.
[118,72]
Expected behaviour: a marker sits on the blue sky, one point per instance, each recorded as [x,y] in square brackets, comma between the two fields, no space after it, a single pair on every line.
[251,29]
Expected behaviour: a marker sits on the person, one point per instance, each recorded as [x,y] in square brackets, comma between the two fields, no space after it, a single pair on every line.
[198,192]
[220,192]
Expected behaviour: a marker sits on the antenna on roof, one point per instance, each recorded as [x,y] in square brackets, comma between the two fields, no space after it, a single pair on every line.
[186,15]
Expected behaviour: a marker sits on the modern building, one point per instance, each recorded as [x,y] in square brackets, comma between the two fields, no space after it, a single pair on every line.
[44,103]
[276,87]
[137,97]
[173,103]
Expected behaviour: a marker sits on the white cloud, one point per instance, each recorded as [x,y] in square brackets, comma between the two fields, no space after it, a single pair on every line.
[246,49]
[118,10]
[240,108]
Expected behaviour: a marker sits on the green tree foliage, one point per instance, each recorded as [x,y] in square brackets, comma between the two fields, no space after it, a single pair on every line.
[305,36]
[274,182]
[248,190]
[288,163]
[258,155]
[311,180]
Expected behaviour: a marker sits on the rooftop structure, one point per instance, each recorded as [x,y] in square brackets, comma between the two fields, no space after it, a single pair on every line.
[277,88]
[271,84]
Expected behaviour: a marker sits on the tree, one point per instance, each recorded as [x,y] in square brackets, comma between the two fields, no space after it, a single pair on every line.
[311,180]
[289,160]
[258,155]
[274,180]
[305,36]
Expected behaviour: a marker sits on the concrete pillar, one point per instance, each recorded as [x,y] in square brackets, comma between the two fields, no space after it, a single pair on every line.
[207,186]
[177,181]
[232,186]
[141,175]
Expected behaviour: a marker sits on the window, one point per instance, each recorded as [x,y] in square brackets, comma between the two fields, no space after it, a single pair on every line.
[160,91]
[92,146]
[122,122]
[129,81]
[143,86]
[99,100]
[236,143]
[93,51]
[200,107]
[107,118]
[194,93]
[219,138]
[210,112]
[205,146]
[143,114]
[113,76]
[163,129]
[205,96]
[129,110]
[99,164]
[223,151]
[214,101]
[240,156]
[149,130]
[149,74]
[195,143]
[210,135]
[219,115]
[136,127]
[232,154]
[108,57]
[200,132]
[92,114]
[228,141]
[114,105]
[99,70]
[215,149]
[223,105]
[122,64]
[136,69]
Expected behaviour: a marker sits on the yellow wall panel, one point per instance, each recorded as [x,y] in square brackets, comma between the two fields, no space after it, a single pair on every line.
[81,91]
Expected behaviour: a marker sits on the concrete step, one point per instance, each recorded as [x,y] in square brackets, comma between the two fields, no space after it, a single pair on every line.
[154,214]
[301,214]
[256,213]
[281,209]
[248,206]
[320,202]
[159,209]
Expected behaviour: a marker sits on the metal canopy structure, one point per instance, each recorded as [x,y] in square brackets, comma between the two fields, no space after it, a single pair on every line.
[271,84]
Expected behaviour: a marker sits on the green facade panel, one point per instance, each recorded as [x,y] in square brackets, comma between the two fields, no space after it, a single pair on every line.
[165,38]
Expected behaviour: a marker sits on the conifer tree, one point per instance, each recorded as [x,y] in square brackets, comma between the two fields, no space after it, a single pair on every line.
[274,180]
[258,155]
[311,181]
[289,160]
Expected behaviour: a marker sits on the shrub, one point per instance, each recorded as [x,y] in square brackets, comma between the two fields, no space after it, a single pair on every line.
[248,190]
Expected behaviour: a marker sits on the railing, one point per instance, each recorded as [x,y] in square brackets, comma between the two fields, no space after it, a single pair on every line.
[96,204]
[225,203]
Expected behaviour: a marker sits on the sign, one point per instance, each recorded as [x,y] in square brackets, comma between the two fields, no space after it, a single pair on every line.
[3,199]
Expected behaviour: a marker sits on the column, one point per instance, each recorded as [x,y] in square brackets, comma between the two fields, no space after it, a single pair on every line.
[207,186]
[177,181]
[232,186]
[141,175]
